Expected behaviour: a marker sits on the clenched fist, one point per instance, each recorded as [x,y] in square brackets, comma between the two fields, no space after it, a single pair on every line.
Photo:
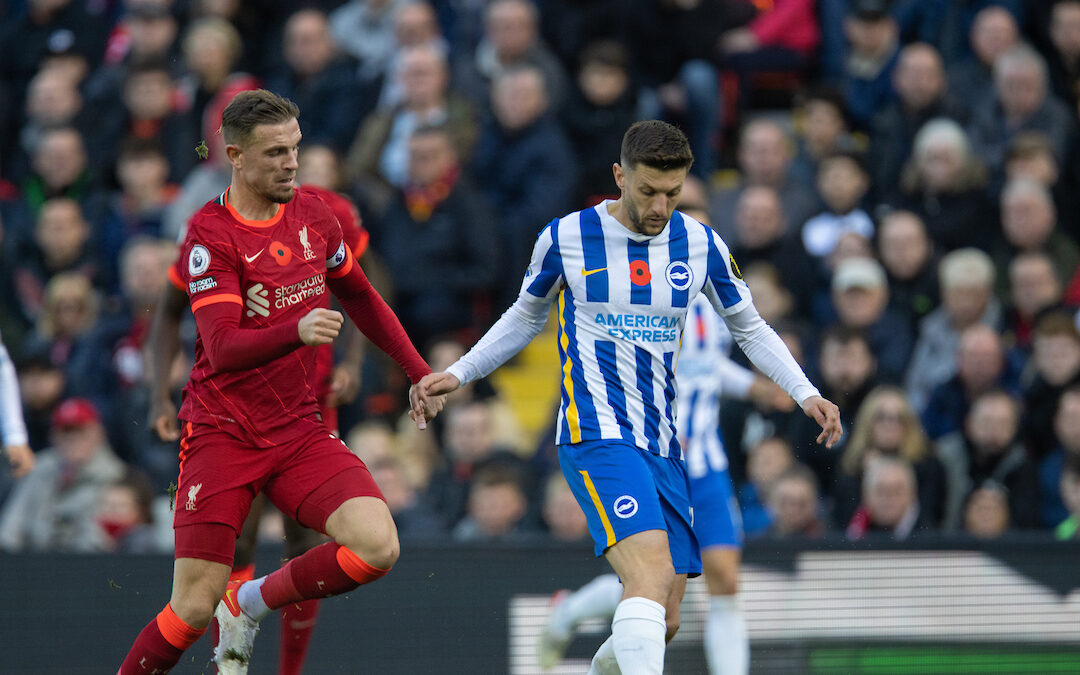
[320,326]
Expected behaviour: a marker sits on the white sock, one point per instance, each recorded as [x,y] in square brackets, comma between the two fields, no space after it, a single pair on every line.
[637,633]
[596,599]
[727,646]
[604,662]
[250,599]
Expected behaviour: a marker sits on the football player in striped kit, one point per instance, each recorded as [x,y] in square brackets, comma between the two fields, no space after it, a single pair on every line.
[624,274]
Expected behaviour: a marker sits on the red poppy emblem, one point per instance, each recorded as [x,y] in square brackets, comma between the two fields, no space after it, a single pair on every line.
[639,273]
[282,254]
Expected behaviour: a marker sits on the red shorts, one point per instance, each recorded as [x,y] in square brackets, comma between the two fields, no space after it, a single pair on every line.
[306,479]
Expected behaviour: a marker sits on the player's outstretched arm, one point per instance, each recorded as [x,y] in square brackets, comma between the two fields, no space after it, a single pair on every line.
[824,412]
[164,345]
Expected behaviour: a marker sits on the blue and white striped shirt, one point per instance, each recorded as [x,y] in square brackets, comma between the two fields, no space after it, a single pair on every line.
[622,303]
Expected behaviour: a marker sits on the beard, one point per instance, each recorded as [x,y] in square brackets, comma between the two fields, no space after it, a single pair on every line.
[280,194]
[642,226]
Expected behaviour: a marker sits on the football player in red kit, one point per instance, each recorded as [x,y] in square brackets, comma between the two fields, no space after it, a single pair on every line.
[258,261]
[334,385]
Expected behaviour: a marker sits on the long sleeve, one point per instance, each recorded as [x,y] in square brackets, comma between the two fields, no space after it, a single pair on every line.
[12,424]
[375,319]
[230,347]
[768,352]
[515,328]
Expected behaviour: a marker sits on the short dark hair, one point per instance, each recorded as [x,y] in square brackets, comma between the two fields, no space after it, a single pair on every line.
[656,144]
[844,335]
[248,109]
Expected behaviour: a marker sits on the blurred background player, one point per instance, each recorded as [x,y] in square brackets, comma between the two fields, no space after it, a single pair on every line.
[334,386]
[705,372]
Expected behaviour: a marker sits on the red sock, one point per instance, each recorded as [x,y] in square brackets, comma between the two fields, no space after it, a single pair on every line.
[160,645]
[323,571]
[297,624]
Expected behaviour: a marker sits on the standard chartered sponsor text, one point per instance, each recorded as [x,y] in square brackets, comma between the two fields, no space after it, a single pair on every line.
[287,296]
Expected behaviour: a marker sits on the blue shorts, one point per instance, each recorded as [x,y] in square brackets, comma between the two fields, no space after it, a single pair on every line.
[624,490]
[717,521]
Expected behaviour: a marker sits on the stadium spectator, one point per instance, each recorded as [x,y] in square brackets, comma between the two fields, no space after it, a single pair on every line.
[1069,487]
[1063,59]
[981,364]
[53,100]
[1052,508]
[890,504]
[762,236]
[208,177]
[120,336]
[525,163]
[848,372]
[986,511]
[59,168]
[138,207]
[967,282]
[69,312]
[145,32]
[1034,287]
[602,103]
[416,24]
[496,509]
[319,81]
[148,113]
[774,301]
[766,462]
[679,80]
[561,513]
[842,182]
[821,130]
[873,50]
[1022,102]
[364,29]
[993,32]
[1030,156]
[439,242]
[1055,355]
[41,385]
[887,426]
[921,95]
[61,243]
[53,508]
[987,449]
[415,520]
[1029,223]
[794,505]
[910,261]
[468,443]
[945,185]
[46,25]
[860,297]
[764,155]
[378,160]
[125,515]
[212,48]
[511,40]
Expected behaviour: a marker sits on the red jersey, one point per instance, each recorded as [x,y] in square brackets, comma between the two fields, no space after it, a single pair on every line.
[356,238]
[276,271]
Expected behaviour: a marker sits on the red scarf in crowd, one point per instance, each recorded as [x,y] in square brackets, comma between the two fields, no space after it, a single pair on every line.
[422,200]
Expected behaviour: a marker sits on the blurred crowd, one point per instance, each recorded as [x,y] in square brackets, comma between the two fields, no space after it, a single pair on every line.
[897,180]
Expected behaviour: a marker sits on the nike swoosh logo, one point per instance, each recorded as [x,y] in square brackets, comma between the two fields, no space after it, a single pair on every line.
[251,258]
[585,272]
